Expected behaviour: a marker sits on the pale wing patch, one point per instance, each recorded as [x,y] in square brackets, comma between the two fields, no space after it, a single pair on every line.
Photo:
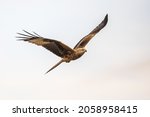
[38,41]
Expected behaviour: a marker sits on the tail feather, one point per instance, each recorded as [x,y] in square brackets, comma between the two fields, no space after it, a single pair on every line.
[55,66]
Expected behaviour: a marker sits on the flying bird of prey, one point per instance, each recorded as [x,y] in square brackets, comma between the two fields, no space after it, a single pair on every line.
[60,49]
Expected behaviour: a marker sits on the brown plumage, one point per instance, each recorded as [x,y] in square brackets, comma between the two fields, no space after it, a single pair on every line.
[60,49]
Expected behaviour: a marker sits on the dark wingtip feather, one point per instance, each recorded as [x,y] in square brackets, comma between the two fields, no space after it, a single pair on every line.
[106,15]
[105,19]
[27,36]
[22,39]
[101,25]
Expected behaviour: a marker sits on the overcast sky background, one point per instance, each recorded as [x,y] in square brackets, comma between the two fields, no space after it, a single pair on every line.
[116,66]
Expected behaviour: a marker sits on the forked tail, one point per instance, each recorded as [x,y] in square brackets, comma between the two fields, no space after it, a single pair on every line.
[55,66]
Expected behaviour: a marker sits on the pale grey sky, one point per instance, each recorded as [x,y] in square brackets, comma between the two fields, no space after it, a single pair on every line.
[116,66]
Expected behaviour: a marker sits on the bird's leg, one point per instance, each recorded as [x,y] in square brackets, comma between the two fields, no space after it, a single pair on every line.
[68,58]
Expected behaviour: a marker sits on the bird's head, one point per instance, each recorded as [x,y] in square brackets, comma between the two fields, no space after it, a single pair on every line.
[81,50]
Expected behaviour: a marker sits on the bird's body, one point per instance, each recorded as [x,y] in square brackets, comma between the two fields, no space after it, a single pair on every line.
[75,55]
[66,53]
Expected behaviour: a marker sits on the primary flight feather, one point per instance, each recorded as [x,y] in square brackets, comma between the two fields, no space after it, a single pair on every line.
[60,49]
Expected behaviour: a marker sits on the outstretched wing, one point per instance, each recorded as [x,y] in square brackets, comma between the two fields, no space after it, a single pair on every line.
[82,43]
[54,46]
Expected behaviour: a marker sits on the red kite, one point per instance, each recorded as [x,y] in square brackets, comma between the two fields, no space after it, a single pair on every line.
[66,53]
